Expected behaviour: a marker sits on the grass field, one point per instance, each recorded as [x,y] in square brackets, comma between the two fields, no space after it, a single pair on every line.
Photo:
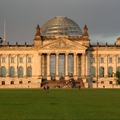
[60,104]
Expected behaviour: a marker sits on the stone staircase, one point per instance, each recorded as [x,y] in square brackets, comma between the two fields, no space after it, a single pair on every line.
[63,83]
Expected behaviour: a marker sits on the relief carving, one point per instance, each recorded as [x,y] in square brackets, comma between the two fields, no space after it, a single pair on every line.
[62,44]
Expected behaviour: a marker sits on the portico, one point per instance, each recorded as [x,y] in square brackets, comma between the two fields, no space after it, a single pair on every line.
[61,65]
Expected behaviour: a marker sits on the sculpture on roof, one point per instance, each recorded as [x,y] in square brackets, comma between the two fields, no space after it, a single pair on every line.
[85,33]
[37,31]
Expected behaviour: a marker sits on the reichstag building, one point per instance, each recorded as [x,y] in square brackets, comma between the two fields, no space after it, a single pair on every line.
[60,50]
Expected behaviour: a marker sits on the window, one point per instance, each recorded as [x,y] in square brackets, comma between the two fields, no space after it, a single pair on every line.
[20,72]
[3,72]
[29,60]
[110,82]
[29,71]
[118,68]
[110,71]
[93,60]
[3,59]
[94,81]
[12,71]
[102,60]
[20,82]
[29,81]
[21,59]
[11,82]
[12,60]
[118,60]
[3,82]
[102,82]
[93,71]
[101,71]
[110,60]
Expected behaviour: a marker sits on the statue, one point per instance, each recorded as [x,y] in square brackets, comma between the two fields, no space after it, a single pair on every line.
[85,31]
[37,31]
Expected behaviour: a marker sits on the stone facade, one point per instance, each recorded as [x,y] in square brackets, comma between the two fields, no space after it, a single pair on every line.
[26,66]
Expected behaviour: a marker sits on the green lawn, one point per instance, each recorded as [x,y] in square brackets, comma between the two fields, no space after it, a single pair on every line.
[60,104]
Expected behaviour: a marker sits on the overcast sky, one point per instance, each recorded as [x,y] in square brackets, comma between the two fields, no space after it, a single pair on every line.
[22,16]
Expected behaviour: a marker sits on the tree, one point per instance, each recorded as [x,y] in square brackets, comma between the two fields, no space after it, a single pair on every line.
[117,77]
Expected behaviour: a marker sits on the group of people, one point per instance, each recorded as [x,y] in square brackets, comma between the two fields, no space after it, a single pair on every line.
[46,88]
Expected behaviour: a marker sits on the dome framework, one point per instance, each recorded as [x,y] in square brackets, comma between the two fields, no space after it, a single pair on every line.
[60,26]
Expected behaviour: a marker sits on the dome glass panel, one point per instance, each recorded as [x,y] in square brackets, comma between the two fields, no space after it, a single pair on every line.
[61,26]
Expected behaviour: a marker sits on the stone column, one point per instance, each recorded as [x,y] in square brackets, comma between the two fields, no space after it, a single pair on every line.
[75,66]
[57,57]
[40,60]
[48,66]
[66,66]
[83,65]
[42,65]
[88,64]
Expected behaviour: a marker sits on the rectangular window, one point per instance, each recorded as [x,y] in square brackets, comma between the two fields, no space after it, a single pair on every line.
[110,60]
[21,60]
[93,60]
[110,82]
[118,60]
[3,59]
[102,60]
[12,60]
[102,82]
[29,60]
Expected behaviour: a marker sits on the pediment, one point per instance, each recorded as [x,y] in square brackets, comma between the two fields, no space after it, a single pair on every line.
[63,43]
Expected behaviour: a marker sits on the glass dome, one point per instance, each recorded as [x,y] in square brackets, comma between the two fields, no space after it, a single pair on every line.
[60,26]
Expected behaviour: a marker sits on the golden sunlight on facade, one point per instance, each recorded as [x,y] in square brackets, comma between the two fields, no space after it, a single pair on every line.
[61,53]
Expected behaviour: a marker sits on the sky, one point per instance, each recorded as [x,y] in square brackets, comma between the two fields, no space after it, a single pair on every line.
[102,18]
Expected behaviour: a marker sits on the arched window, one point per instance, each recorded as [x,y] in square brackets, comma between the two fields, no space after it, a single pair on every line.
[3,82]
[29,71]
[118,68]
[101,71]
[20,72]
[110,71]
[20,82]
[29,81]
[3,72]
[11,82]
[93,71]
[12,71]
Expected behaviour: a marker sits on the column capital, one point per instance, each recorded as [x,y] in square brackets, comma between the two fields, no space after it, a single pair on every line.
[57,54]
[74,53]
[66,53]
[49,54]
[83,54]
[39,54]
[13,55]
